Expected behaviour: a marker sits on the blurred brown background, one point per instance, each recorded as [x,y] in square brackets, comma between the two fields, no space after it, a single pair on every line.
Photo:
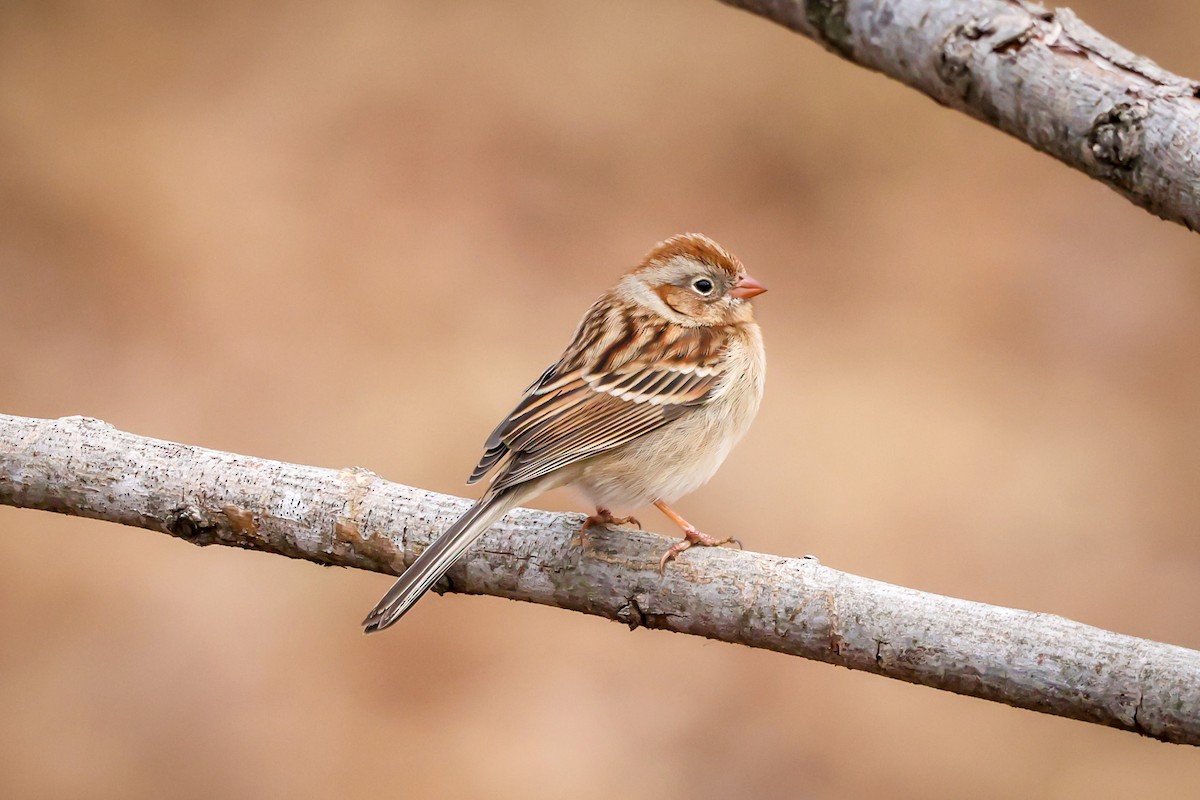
[350,234]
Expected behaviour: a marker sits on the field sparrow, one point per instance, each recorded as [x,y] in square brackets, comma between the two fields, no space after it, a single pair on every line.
[663,376]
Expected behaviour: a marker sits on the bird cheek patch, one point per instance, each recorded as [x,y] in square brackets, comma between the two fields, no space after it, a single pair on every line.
[681,301]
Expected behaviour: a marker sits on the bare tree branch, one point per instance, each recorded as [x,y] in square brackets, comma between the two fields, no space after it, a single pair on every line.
[1043,76]
[353,518]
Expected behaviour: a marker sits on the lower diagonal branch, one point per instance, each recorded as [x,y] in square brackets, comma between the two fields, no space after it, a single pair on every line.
[353,518]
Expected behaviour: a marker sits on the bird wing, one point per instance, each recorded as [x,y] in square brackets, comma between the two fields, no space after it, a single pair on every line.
[614,383]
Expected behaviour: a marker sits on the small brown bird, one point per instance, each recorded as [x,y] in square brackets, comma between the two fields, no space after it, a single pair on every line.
[662,378]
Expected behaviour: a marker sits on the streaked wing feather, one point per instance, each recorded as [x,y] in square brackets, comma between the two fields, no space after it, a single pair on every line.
[579,443]
[607,390]
[496,448]
[592,420]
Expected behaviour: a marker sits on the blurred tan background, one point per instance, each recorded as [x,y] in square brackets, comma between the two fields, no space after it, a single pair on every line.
[350,234]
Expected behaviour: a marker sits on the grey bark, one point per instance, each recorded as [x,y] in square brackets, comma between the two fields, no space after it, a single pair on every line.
[354,518]
[1043,76]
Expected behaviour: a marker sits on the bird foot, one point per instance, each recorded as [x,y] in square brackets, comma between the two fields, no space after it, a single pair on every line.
[691,538]
[605,517]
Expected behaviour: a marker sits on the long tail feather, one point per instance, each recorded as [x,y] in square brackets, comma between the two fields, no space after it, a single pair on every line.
[439,557]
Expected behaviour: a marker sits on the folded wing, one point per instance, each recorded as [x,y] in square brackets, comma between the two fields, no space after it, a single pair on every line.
[615,382]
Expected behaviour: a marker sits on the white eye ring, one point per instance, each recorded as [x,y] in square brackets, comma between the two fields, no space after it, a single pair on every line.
[703,286]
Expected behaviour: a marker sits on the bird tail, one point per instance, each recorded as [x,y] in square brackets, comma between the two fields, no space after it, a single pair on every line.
[440,556]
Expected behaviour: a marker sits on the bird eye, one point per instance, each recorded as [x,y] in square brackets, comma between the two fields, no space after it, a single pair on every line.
[702,285]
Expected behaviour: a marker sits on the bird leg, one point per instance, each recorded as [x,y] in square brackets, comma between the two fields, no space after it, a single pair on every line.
[605,517]
[691,537]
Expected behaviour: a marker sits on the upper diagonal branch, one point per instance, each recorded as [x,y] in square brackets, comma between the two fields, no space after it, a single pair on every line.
[1043,76]
[354,518]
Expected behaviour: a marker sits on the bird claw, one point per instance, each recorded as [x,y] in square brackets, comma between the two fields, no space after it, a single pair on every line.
[690,539]
[605,517]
